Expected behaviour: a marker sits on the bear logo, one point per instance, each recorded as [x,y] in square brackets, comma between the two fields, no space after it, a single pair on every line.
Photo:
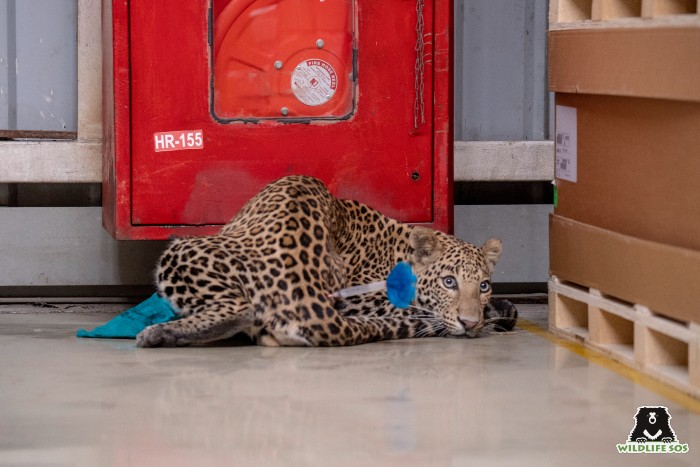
[652,424]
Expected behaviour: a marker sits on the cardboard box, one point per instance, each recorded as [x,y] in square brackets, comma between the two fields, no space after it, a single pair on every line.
[661,277]
[653,62]
[628,216]
[638,168]
[636,92]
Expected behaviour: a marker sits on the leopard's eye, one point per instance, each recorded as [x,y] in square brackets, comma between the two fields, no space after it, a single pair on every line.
[450,282]
[485,286]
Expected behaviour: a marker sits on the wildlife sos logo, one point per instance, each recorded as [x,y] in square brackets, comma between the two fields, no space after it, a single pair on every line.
[652,434]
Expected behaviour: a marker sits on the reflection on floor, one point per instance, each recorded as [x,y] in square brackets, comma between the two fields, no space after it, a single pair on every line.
[500,400]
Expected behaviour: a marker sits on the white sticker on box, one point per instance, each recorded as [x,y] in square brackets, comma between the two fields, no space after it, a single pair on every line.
[565,143]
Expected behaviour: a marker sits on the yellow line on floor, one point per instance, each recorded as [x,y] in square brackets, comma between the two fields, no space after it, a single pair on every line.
[663,389]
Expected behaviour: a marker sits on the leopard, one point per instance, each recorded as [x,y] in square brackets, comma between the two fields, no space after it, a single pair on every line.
[272,271]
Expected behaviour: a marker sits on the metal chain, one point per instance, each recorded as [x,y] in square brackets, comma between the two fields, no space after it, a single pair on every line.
[419,104]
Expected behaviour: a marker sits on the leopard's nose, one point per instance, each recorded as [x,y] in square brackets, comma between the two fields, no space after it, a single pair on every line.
[468,323]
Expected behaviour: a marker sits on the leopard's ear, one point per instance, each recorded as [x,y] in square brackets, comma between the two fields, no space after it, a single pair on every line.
[426,247]
[492,250]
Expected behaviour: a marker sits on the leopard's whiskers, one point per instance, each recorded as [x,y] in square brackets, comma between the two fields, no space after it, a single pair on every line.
[416,307]
[434,328]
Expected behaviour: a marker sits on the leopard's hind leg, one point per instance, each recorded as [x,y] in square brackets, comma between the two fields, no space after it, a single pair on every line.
[214,321]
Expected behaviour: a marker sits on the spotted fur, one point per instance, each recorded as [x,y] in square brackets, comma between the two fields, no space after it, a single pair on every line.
[271,270]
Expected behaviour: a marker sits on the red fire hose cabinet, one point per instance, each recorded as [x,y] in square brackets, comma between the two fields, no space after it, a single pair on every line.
[207,101]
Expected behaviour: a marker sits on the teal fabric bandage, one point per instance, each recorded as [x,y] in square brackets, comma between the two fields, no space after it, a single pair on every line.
[134,320]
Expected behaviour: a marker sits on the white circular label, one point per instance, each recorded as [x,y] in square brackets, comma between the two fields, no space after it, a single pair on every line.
[314,82]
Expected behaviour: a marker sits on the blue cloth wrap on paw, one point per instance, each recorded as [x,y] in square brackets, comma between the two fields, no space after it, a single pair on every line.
[401,285]
[134,320]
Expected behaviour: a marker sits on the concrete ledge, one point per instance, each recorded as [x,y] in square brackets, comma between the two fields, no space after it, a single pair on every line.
[501,161]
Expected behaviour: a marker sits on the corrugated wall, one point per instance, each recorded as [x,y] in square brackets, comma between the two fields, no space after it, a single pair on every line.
[500,70]
[38,66]
[51,235]
[501,95]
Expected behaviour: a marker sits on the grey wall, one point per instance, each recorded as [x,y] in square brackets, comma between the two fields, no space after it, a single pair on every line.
[38,65]
[524,230]
[68,246]
[52,236]
[500,70]
[501,95]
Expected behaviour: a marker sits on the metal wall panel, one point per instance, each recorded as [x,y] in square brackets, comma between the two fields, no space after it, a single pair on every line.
[7,37]
[68,246]
[499,91]
[38,65]
[523,230]
[500,70]
[501,95]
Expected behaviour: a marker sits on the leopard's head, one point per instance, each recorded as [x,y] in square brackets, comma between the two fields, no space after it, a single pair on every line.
[454,279]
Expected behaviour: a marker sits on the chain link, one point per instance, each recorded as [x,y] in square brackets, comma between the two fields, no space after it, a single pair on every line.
[419,103]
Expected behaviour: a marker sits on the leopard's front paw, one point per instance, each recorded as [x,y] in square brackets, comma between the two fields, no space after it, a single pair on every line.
[160,335]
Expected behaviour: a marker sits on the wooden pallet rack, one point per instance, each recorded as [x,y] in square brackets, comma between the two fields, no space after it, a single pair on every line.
[631,334]
[597,13]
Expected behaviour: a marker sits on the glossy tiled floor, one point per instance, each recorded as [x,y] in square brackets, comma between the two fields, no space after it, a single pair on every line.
[501,400]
